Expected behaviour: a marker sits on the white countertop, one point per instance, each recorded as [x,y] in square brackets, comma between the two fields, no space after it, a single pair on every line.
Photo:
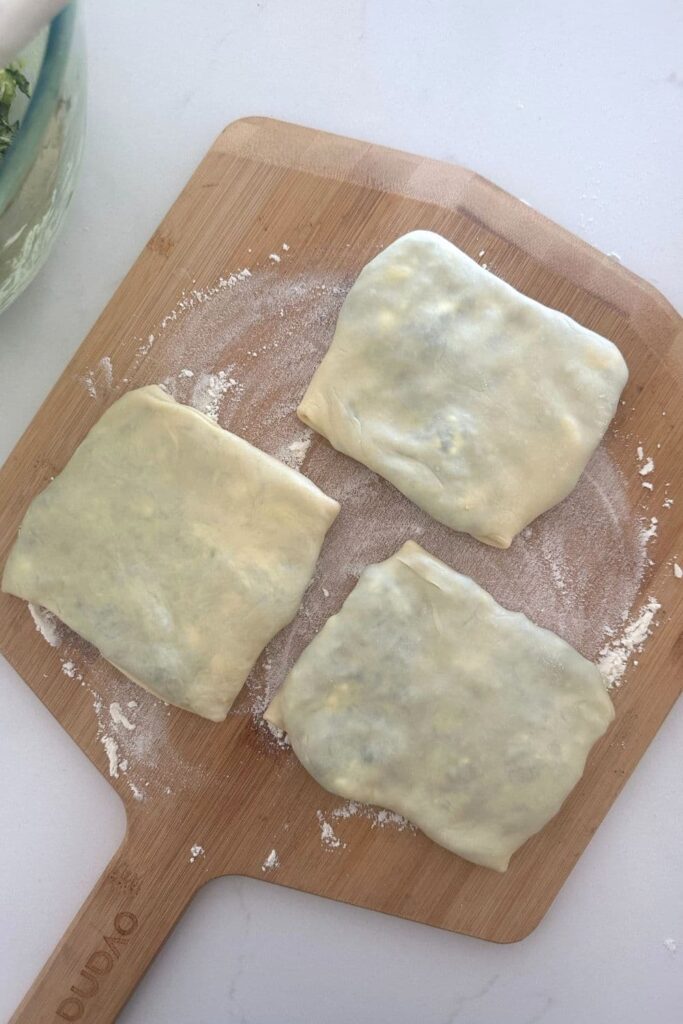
[580,114]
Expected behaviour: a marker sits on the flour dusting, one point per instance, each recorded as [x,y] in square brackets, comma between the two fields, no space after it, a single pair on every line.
[327,834]
[378,817]
[100,380]
[118,718]
[294,453]
[209,391]
[615,656]
[111,748]
[195,852]
[271,861]
[47,624]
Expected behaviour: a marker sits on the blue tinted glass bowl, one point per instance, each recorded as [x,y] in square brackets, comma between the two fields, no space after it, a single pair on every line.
[39,170]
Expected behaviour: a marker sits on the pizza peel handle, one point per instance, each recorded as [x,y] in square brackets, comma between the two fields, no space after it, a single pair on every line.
[117,932]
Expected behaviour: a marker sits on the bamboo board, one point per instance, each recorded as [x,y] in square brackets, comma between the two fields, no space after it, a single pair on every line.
[333,202]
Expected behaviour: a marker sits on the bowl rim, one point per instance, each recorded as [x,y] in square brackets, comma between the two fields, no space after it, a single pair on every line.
[19,158]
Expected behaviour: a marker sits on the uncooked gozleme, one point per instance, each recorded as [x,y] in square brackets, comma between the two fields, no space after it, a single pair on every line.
[175,547]
[425,696]
[478,403]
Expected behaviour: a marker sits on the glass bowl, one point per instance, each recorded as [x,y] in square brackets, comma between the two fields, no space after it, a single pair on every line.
[38,171]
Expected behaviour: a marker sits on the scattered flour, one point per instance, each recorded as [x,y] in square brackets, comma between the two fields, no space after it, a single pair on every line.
[327,834]
[650,531]
[209,392]
[647,467]
[294,453]
[117,716]
[285,247]
[614,657]
[146,346]
[69,669]
[678,572]
[378,817]
[271,861]
[47,624]
[274,257]
[195,852]
[101,379]
[112,751]
[279,735]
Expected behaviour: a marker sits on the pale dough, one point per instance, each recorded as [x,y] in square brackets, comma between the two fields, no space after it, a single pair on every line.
[478,403]
[175,547]
[425,696]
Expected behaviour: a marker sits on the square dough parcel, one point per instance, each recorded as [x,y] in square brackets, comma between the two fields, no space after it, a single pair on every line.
[423,695]
[175,547]
[481,405]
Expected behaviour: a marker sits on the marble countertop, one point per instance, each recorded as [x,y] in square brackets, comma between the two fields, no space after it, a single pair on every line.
[578,112]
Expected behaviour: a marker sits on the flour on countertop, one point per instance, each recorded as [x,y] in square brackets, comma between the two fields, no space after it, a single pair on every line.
[615,656]
[678,571]
[647,467]
[294,453]
[279,735]
[327,833]
[146,346]
[650,531]
[112,750]
[47,624]
[210,390]
[195,852]
[139,750]
[271,861]
[100,381]
[197,296]
[274,257]
[378,817]
[117,716]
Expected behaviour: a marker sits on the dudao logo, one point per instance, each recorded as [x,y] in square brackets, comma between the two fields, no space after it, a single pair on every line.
[97,966]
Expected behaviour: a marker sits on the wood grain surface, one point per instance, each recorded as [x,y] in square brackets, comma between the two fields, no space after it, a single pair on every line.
[229,787]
